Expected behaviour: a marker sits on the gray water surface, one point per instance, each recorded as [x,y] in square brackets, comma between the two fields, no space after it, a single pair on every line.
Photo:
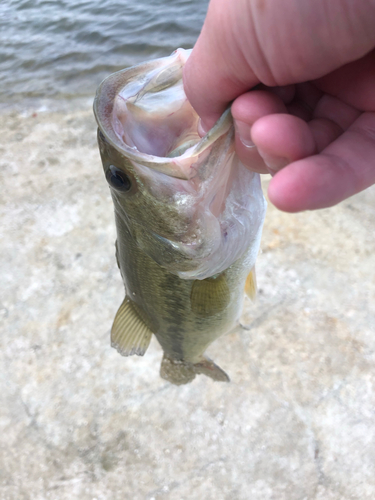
[64,48]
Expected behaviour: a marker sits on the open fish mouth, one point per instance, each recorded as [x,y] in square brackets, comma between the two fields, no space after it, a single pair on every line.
[193,207]
[143,112]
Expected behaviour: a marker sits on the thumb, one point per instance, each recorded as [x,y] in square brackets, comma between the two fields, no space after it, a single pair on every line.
[210,73]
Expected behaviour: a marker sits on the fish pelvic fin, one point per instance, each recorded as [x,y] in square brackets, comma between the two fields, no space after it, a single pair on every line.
[181,372]
[251,285]
[129,334]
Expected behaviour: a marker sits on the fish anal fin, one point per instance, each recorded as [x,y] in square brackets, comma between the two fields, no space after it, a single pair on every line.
[251,285]
[181,372]
[129,334]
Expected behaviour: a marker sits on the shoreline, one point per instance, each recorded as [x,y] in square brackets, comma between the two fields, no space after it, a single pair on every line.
[27,106]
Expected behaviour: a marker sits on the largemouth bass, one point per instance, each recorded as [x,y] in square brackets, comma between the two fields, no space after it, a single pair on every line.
[188,215]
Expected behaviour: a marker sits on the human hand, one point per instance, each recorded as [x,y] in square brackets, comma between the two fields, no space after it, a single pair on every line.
[310,121]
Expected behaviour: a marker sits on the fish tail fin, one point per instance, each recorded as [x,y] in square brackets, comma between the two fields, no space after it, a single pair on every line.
[210,369]
[181,372]
[176,372]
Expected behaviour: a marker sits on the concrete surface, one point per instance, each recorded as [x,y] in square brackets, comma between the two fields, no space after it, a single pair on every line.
[77,421]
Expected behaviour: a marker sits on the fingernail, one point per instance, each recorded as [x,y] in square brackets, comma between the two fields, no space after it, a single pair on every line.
[202,130]
[244,133]
[273,163]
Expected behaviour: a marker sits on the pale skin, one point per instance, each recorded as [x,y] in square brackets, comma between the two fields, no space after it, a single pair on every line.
[301,76]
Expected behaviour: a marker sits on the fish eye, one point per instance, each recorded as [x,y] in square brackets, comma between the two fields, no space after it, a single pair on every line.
[118,179]
[101,135]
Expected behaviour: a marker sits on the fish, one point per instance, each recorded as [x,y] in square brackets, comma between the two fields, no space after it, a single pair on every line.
[188,214]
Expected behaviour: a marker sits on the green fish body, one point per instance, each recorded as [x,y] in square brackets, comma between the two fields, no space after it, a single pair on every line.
[188,218]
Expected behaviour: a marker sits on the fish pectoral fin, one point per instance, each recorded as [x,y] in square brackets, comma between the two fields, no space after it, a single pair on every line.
[129,334]
[210,296]
[182,372]
[251,285]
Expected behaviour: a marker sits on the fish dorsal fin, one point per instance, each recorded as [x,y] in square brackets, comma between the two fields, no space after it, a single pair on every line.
[251,285]
[129,334]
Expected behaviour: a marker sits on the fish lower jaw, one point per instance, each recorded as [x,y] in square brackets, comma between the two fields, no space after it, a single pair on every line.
[212,263]
[189,263]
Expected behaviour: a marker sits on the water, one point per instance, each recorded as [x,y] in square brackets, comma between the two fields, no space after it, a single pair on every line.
[54,49]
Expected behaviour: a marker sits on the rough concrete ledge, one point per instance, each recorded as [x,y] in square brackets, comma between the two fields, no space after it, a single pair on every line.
[77,421]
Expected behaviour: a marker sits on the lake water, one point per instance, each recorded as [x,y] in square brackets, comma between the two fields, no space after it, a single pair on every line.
[64,48]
